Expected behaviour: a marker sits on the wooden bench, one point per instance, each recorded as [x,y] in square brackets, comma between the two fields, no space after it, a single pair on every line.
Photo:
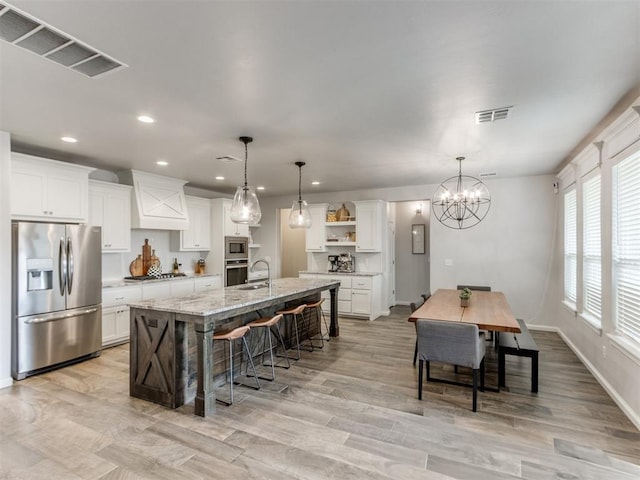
[520,344]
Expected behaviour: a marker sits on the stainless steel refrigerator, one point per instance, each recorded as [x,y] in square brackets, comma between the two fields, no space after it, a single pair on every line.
[57,292]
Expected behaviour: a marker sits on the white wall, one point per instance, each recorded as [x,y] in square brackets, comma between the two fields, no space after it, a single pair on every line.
[5,260]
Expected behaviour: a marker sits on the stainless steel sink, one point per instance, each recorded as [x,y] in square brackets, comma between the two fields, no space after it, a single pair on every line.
[252,287]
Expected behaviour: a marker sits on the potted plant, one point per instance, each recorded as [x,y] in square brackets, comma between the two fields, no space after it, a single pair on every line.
[465,296]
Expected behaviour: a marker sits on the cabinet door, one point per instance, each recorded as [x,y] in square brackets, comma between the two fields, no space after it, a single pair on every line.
[123,323]
[109,334]
[198,236]
[232,229]
[369,226]
[360,302]
[28,194]
[117,223]
[65,197]
[316,237]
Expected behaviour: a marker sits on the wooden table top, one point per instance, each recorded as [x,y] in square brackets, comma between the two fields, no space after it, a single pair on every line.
[488,310]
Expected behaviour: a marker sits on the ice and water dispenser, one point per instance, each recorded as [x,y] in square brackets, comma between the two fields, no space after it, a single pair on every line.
[39,274]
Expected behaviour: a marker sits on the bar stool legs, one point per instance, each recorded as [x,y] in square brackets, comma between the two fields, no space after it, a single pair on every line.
[317,308]
[231,336]
[271,327]
[295,312]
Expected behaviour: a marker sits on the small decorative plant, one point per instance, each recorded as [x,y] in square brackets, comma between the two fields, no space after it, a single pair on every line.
[465,296]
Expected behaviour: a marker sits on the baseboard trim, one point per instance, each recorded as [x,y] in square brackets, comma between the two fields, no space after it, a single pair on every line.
[624,406]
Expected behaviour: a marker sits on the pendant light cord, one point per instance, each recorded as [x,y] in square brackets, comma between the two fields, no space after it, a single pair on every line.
[246,157]
[300,184]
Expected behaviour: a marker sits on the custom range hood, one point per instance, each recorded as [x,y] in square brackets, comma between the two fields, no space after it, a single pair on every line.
[157,202]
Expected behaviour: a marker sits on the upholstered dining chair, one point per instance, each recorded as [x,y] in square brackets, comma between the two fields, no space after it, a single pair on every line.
[454,343]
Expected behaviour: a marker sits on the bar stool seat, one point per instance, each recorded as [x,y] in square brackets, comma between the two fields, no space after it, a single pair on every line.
[271,326]
[231,336]
[295,312]
[317,308]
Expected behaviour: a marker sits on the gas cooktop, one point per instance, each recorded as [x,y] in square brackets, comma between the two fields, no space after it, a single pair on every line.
[156,277]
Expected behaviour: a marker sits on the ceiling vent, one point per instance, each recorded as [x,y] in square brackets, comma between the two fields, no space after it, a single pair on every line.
[489,116]
[22,30]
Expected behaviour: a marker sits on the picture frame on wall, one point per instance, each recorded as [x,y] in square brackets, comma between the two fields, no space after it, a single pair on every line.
[417,238]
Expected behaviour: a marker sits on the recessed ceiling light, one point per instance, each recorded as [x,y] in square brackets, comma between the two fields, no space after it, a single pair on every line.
[68,139]
[219,177]
[162,163]
[145,119]
[315,182]
[260,188]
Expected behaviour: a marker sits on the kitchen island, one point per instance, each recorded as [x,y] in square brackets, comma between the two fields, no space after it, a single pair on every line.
[172,357]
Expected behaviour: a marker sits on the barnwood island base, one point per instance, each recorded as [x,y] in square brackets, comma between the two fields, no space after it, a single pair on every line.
[173,359]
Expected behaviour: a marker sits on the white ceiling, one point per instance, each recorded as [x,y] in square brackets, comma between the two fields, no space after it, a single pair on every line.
[368,93]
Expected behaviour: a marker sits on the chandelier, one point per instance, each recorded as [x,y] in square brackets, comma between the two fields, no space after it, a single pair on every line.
[245,208]
[462,201]
[300,216]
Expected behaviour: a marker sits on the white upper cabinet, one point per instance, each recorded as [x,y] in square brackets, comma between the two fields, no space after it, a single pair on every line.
[158,202]
[48,190]
[316,236]
[369,226]
[110,208]
[198,236]
[232,229]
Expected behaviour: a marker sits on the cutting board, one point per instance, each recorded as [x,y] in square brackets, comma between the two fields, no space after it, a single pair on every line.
[136,267]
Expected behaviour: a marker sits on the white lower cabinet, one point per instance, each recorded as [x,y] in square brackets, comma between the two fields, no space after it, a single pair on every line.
[357,295]
[115,313]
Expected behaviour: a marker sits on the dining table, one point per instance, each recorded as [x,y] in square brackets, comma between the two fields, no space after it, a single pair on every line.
[489,310]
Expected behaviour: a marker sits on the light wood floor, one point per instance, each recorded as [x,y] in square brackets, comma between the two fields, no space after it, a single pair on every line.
[350,411]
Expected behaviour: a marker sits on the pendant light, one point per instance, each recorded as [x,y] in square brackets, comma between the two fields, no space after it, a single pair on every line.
[245,208]
[462,201]
[300,216]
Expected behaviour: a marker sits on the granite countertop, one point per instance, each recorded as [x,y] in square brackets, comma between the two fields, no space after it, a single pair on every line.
[221,300]
[358,274]
[125,283]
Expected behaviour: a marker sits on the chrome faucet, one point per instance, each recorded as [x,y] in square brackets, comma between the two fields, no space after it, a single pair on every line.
[268,269]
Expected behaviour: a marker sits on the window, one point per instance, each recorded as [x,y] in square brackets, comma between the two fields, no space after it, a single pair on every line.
[591,252]
[626,247]
[570,246]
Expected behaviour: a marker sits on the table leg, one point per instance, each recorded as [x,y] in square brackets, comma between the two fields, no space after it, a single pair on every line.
[334,328]
[205,400]
[534,372]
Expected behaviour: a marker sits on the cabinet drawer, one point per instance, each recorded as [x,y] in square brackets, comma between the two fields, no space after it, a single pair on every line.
[180,288]
[120,295]
[156,290]
[345,281]
[363,283]
[207,283]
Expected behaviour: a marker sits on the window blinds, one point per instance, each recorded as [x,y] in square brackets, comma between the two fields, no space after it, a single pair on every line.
[570,246]
[592,253]
[626,246]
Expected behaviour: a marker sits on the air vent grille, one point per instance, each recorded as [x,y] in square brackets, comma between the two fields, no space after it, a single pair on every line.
[24,31]
[488,116]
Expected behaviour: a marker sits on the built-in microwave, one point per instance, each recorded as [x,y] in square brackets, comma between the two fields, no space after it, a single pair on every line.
[236,248]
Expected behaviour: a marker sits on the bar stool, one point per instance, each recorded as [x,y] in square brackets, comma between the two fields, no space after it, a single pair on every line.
[295,312]
[270,326]
[317,308]
[231,336]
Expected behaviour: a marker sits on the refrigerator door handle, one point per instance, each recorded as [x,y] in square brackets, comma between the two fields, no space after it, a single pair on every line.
[56,316]
[62,267]
[69,265]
